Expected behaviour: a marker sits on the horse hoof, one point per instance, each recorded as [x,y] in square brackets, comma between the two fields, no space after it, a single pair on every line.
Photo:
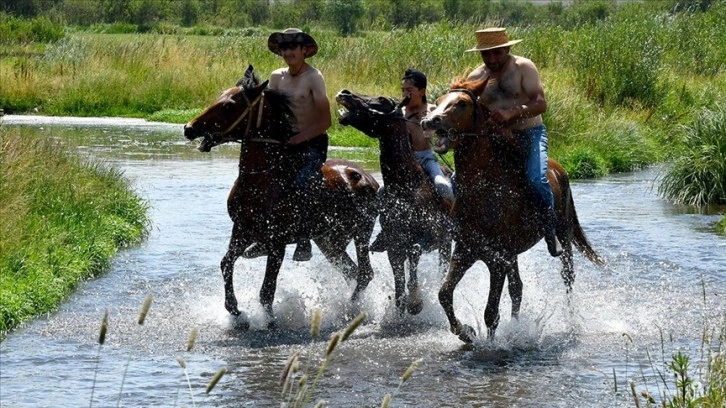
[232,308]
[415,308]
[240,323]
[415,304]
[467,334]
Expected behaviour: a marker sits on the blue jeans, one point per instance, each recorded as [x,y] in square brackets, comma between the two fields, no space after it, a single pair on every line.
[431,167]
[536,138]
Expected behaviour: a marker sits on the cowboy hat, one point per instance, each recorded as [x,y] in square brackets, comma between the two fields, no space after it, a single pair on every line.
[490,38]
[292,35]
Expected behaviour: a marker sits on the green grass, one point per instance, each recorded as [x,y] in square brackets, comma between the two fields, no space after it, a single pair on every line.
[697,175]
[64,219]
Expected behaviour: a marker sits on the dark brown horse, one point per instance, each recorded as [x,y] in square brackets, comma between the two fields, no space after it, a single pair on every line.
[411,206]
[262,204]
[496,210]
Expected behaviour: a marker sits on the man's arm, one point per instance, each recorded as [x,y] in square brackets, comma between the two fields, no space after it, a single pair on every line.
[321,111]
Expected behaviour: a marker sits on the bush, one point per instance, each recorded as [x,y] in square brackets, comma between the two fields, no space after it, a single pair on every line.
[698,173]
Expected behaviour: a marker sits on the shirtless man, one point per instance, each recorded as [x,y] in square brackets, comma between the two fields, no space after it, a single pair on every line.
[310,104]
[514,95]
[413,84]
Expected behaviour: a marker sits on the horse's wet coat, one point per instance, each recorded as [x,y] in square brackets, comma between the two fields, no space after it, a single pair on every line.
[496,210]
[411,207]
[262,204]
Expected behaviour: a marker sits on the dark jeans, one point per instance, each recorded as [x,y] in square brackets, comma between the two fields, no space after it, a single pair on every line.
[314,152]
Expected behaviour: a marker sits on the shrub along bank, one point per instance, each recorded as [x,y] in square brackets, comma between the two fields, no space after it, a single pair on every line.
[63,220]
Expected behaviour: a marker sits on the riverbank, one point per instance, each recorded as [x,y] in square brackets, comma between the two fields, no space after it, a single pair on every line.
[64,219]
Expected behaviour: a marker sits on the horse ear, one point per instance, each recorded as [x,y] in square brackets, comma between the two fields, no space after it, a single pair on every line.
[261,87]
[250,72]
[400,105]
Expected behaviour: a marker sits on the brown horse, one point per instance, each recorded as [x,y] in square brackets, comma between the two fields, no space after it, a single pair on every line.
[262,204]
[411,206]
[496,210]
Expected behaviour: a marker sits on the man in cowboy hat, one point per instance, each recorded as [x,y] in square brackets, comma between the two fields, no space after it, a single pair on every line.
[515,95]
[310,104]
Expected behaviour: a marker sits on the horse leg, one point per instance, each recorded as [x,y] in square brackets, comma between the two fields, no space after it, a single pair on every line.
[269,284]
[461,261]
[397,258]
[444,256]
[498,271]
[365,270]
[235,249]
[514,287]
[333,248]
[415,301]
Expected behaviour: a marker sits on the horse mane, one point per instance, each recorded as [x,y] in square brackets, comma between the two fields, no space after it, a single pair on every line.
[279,100]
[470,85]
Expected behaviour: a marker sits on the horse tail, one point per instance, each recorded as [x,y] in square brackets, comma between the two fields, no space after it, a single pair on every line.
[580,240]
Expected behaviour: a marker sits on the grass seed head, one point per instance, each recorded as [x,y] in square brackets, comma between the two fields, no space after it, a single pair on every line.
[315,326]
[192,339]
[410,370]
[333,343]
[145,308]
[218,376]
[104,329]
[386,400]
[354,325]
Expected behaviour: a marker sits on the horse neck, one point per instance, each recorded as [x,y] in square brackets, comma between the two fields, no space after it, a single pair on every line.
[398,164]
[256,152]
[478,161]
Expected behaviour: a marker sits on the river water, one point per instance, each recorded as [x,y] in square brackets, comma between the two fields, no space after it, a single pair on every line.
[663,288]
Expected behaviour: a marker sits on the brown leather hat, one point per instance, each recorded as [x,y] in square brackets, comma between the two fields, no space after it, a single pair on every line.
[292,35]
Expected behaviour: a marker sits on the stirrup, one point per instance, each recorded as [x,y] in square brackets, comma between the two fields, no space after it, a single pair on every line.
[303,251]
[255,250]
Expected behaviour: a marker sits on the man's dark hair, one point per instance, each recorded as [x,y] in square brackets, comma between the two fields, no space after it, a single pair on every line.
[416,77]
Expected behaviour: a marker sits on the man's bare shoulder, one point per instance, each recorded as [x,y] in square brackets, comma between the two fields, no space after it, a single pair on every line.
[520,61]
[478,73]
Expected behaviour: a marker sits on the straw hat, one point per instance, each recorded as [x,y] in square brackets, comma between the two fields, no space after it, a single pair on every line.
[292,35]
[490,38]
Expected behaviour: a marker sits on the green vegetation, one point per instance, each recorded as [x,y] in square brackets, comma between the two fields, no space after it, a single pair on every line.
[63,220]
[677,383]
[628,84]
[698,174]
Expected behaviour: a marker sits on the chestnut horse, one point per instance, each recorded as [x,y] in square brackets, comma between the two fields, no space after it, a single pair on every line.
[262,204]
[411,206]
[496,209]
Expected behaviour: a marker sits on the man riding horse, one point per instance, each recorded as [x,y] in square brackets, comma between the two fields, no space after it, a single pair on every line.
[310,105]
[413,89]
[515,97]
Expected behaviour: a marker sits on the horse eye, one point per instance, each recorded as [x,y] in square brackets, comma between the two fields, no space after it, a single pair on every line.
[461,105]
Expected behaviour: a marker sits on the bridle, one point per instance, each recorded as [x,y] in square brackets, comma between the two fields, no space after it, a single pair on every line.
[218,138]
[454,134]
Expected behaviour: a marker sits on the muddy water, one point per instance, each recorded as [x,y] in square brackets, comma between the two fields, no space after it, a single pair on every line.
[665,281]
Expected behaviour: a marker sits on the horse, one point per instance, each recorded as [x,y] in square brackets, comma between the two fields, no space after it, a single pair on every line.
[496,210]
[262,205]
[411,206]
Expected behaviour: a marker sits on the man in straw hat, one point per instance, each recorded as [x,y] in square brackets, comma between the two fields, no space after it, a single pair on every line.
[310,104]
[515,96]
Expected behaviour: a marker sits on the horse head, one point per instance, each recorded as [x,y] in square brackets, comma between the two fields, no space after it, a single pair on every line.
[372,115]
[458,112]
[237,111]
